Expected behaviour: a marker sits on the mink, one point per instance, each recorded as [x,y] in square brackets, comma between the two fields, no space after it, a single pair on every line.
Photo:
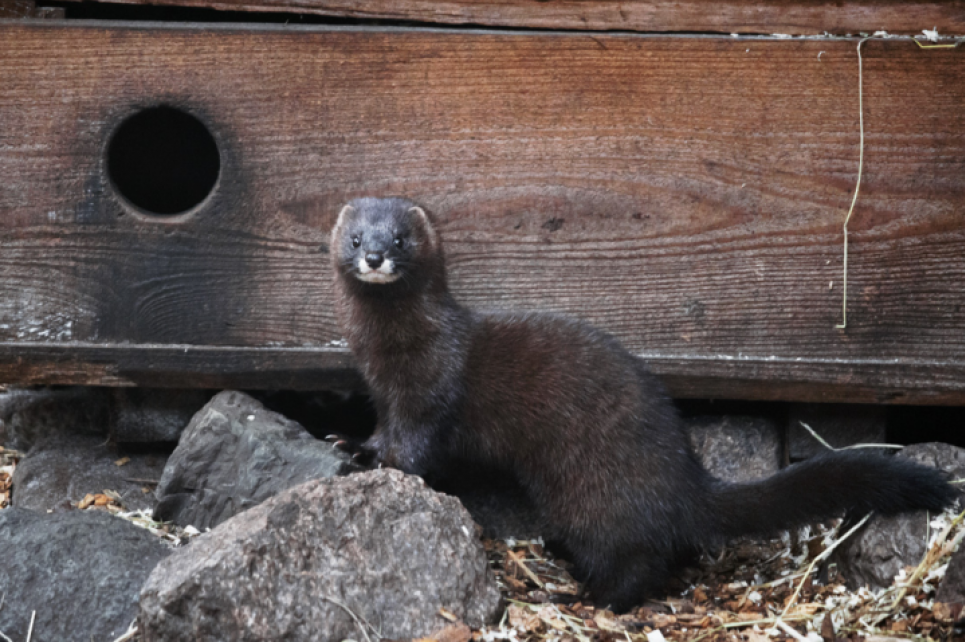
[585,427]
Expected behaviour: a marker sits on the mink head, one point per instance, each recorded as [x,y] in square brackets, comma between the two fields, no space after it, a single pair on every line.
[386,243]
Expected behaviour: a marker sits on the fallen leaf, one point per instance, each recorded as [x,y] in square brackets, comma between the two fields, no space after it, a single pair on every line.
[457,632]
[607,621]
[551,616]
[122,461]
[947,612]
[655,636]
[523,618]
[661,620]
[827,629]
[516,585]
[448,615]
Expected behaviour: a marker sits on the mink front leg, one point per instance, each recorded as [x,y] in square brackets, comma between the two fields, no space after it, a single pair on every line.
[410,448]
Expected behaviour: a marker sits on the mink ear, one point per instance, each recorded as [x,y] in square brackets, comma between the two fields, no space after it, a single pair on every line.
[420,214]
[342,215]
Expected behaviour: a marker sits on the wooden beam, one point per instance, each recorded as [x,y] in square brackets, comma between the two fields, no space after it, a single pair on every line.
[17,8]
[688,376]
[723,16]
[28,9]
[685,193]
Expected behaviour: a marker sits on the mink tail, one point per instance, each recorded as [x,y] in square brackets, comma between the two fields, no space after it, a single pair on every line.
[827,486]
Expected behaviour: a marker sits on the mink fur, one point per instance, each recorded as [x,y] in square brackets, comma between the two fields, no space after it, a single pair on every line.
[585,427]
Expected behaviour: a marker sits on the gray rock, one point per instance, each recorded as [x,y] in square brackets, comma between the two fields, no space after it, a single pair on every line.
[840,425]
[53,475]
[952,588]
[946,457]
[35,416]
[81,571]
[737,448]
[234,455]
[874,555]
[379,544]
[150,415]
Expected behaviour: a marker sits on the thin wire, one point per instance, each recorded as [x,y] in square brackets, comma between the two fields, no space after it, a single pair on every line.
[857,187]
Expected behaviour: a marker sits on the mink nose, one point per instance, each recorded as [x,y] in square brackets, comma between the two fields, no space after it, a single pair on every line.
[374,259]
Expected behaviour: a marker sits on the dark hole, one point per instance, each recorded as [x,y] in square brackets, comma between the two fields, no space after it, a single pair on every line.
[163,160]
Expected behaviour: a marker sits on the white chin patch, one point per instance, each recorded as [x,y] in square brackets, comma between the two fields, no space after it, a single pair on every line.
[385,274]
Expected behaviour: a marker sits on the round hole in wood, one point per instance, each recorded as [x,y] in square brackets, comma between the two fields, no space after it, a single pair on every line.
[163,161]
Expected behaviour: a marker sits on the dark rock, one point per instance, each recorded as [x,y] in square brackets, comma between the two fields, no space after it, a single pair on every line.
[840,425]
[946,457]
[378,544]
[151,415]
[35,416]
[952,588]
[57,473]
[81,571]
[875,554]
[234,455]
[737,448]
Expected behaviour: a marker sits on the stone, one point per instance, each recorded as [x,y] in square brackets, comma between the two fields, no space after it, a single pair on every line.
[952,588]
[152,415]
[34,416]
[81,571]
[234,455]
[737,448]
[875,554]
[324,560]
[57,473]
[840,425]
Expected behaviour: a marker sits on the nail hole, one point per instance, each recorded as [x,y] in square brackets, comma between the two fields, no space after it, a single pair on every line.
[163,161]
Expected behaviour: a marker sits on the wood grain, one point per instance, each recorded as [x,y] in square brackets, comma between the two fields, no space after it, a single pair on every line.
[17,8]
[28,9]
[724,16]
[685,193]
[181,366]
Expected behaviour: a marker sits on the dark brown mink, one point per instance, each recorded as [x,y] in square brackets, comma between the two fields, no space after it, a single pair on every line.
[585,427]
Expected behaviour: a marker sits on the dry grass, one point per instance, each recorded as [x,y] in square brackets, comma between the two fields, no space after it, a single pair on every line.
[754,591]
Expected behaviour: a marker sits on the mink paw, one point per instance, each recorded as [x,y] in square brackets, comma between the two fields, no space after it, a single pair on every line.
[361,455]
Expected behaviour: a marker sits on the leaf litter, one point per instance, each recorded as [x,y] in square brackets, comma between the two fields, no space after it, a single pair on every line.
[753,591]
[8,463]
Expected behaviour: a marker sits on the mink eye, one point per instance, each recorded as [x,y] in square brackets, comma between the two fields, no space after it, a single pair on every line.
[356,241]
[398,242]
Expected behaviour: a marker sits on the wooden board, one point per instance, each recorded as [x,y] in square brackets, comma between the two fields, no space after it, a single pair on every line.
[724,16]
[17,8]
[685,193]
[28,9]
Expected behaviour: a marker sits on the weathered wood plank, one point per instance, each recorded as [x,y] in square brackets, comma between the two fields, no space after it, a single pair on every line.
[727,16]
[870,381]
[17,8]
[28,9]
[685,193]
